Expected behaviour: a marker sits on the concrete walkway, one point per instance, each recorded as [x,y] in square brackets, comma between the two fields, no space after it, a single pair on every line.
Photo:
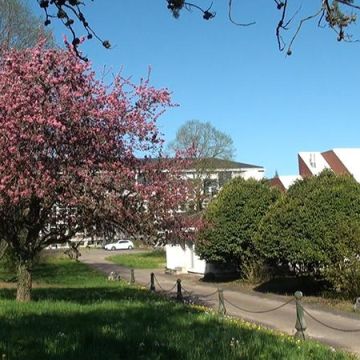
[282,319]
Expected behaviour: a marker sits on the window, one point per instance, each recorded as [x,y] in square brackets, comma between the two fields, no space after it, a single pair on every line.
[141,179]
[224,177]
[210,187]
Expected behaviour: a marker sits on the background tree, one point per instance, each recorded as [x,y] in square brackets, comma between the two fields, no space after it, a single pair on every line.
[315,226]
[338,15]
[205,140]
[19,28]
[205,143]
[67,155]
[231,222]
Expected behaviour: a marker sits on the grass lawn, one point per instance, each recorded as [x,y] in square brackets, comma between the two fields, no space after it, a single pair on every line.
[148,260]
[77,314]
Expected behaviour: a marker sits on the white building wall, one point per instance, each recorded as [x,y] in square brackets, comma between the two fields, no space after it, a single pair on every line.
[314,161]
[350,157]
[197,265]
[175,257]
[183,258]
[253,174]
[246,173]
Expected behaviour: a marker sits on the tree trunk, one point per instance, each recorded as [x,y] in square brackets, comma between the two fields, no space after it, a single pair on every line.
[24,282]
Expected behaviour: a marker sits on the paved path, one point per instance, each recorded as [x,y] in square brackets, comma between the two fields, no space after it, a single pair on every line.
[282,319]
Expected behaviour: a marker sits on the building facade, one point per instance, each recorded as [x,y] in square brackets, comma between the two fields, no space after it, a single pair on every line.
[340,161]
[181,257]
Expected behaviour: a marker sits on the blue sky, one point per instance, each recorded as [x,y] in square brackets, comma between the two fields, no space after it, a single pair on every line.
[273,106]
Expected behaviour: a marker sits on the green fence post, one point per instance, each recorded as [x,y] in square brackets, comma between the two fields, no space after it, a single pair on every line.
[178,290]
[221,308]
[152,282]
[300,324]
[132,276]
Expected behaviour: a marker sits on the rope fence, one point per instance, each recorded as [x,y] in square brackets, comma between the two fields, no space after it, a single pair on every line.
[327,325]
[259,311]
[300,323]
[164,290]
[187,292]
[209,295]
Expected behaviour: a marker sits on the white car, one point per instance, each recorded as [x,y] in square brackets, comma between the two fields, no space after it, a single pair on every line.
[120,245]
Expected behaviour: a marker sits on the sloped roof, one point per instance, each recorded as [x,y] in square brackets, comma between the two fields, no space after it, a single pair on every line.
[314,161]
[210,163]
[288,180]
[350,157]
[214,163]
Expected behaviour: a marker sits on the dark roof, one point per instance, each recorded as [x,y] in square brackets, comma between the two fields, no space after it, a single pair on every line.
[214,163]
[210,163]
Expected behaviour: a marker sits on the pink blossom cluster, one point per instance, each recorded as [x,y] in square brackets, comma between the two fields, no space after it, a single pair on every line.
[67,140]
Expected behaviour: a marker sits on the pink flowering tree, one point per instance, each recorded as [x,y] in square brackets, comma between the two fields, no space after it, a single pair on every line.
[68,163]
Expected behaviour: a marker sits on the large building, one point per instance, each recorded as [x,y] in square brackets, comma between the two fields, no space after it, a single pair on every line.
[213,173]
[340,161]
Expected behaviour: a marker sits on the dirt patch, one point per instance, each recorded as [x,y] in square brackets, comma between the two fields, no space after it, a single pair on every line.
[7,285]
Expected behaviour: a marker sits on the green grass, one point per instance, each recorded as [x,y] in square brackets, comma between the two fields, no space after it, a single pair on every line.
[87,317]
[147,260]
[5,274]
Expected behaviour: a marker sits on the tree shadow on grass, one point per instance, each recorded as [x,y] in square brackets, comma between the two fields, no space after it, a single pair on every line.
[124,330]
[119,322]
[148,330]
[63,271]
[83,295]
[98,333]
[110,322]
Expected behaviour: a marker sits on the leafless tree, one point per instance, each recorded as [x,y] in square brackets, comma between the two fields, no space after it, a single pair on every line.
[206,144]
[337,15]
[205,140]
[19,28]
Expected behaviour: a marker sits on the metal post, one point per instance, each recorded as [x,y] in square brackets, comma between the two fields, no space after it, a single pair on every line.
[132,276]
[152,282]
[221,308]
[178,290]
[357,304]
[300,324]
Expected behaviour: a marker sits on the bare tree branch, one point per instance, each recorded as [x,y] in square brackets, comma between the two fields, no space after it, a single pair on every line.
[338,15]
[233,21]
[299,27]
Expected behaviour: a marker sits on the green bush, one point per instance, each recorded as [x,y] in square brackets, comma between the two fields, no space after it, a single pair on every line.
[314,227]
[8,261]
[9,264]
[231,221]
[256,271]
[345,277]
